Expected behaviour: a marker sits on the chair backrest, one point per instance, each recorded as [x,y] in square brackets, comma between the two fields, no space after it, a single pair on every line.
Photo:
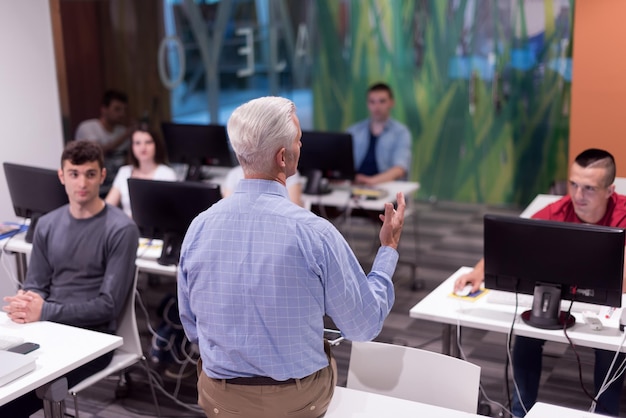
[127,323]
[414,374]
[620,185]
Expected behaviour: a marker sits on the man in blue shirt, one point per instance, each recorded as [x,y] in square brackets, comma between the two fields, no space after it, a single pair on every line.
[382,145]
[258,273]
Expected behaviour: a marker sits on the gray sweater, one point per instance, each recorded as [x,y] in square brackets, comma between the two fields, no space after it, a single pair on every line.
[83,268]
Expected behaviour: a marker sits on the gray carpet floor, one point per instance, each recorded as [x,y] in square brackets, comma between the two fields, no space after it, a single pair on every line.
[438,238]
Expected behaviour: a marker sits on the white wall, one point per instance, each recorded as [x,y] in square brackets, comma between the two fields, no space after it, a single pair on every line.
[30,114]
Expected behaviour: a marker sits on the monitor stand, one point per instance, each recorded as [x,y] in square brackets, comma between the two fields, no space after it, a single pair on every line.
[194,173]
[30,232]
[316,184]
[546,310]
[170,253]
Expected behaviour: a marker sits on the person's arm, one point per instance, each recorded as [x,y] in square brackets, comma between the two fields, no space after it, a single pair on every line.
[116,283]
[113,145]
[394,173]
[359,304]
[476,277]
[26,305]
[114,197]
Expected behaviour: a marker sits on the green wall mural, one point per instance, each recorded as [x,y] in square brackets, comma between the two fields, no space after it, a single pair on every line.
[483,86]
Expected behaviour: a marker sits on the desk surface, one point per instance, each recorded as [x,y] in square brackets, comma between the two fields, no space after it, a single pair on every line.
[351,403]
[544,410]
[341,197]
[440,306]
[62,349]
[149,250]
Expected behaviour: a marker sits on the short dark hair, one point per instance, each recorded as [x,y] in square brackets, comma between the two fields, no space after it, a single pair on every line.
[111,95]
[594,157]
[82,151]
[380,87]
[160,153]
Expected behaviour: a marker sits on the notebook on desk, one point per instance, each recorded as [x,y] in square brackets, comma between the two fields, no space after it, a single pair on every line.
[369,193]
[14,365]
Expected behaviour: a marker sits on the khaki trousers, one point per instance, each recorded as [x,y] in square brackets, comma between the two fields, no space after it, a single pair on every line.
[306,398]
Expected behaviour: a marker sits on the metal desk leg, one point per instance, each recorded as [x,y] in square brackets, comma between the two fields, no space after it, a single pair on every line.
[20,265]
[53,395]
[449,343]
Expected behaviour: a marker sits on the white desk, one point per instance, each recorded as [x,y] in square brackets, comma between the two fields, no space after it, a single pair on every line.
[147,255]
[62,349]
[439,306]
[351,403]
[151,266]
[341,197]
[544,410]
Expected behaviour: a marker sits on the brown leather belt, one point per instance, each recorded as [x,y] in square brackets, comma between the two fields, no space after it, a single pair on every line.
[258,381]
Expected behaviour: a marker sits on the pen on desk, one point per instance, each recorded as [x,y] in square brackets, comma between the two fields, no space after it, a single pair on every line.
[609,313]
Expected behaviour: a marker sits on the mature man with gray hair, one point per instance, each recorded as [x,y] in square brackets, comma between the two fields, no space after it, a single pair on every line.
[258,273]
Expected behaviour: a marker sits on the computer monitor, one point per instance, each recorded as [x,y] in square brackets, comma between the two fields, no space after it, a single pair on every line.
[196,146]
[552,261]
[325,156]
[164,210]
[34,192]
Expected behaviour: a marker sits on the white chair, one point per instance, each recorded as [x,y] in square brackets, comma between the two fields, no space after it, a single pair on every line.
[125,356]
[415,375]
[620,185]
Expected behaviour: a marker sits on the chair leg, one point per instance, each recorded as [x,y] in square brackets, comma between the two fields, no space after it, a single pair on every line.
[154,397]
[75,396]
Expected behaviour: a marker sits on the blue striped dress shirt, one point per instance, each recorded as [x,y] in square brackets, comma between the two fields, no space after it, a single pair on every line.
[257,274]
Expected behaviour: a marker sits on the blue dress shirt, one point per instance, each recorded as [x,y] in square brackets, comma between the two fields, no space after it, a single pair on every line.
[393,147]
[257,274]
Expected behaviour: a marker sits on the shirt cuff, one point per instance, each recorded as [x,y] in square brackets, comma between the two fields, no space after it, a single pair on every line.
[386,260]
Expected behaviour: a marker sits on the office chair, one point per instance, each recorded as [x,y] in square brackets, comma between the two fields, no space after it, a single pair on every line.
[415,375]
[125,356]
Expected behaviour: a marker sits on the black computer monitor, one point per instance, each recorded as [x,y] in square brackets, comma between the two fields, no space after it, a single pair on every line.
[325,155]
[197,145]
[553,261]
[164,210]
[34,192]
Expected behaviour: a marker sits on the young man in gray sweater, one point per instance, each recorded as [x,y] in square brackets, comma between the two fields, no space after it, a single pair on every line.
[82,263]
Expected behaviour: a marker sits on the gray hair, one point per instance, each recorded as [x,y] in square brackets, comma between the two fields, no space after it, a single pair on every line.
[258,129]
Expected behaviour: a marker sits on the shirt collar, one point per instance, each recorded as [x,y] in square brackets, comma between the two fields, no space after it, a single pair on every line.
[257,186]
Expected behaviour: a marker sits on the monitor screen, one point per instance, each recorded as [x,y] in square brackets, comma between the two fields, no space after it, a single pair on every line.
[164,210]
[197,145]
[552,261]
[34,192]
[328,153]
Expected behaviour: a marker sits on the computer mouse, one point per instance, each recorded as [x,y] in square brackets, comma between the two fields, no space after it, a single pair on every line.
[464,291]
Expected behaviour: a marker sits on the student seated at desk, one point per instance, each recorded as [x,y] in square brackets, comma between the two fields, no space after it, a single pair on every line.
[592,200]
[81,266]
[148,160]
[110,131]
[382,145]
